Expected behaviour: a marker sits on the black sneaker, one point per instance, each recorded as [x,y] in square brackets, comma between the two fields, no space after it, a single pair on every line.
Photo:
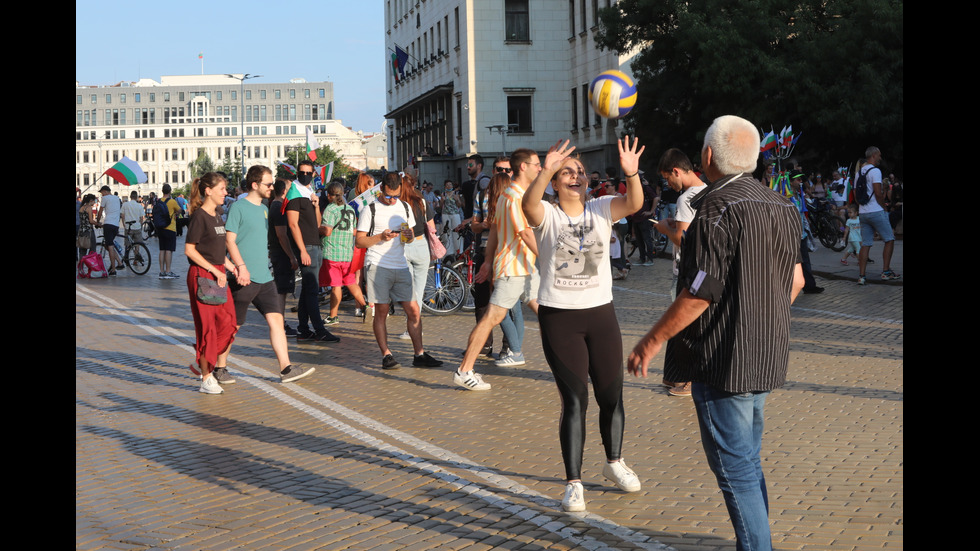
[326,336]
[389,362]
[222,375]
[425,360]
[305,335]
[295,372]
[290,332]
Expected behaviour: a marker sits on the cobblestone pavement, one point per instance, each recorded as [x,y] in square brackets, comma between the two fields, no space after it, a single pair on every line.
[358,458]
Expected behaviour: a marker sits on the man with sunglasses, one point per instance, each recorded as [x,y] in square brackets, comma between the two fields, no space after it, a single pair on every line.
[383,229]
[303,219]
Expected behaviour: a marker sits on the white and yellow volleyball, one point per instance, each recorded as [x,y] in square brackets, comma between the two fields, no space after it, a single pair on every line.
[612,94]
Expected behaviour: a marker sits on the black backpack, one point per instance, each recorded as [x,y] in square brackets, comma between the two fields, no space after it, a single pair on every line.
[161,214]
[862,191]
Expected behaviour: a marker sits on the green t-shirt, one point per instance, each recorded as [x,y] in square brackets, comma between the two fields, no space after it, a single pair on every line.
[250,224]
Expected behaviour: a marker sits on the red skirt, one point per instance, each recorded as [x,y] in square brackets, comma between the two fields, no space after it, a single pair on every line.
[214,325]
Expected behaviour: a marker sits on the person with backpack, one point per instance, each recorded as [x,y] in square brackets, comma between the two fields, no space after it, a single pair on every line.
[165,211]
[870,196]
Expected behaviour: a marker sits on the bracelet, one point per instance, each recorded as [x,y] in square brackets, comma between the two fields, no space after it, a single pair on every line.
[634,174]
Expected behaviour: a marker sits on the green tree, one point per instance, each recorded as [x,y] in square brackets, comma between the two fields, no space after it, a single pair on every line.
[202,165]
[324,156]
[233,169]
[831,68]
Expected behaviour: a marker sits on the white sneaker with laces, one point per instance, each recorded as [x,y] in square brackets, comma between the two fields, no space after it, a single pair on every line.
[211,386]
[471,380]
[574,500]
[622,476]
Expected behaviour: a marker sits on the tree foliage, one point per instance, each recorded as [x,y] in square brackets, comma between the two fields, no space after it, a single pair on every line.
[202,165]
[831,68]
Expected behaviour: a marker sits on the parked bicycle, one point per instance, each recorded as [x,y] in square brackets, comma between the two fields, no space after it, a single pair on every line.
[825,225]
[136,255]
[445,290]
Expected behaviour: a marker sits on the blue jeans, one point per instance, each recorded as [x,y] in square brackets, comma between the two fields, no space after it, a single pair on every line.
[731,433]
[513,327]
[309,307]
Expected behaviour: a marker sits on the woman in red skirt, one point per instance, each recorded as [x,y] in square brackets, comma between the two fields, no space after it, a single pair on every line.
[214,324]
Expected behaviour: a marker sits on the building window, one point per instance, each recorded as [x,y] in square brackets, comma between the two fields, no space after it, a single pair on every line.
[516,21]
[95,99]
[122,98]
[571,18]
[519,113]
[585,105]
[234,95]
[278,94]
[248,94]
[292,94]
[166,96]
[136,97]
[574,109]
[153,97]
[261,94]
[78,100]
[108,98]
[595,13]
[321,93]
[306,93]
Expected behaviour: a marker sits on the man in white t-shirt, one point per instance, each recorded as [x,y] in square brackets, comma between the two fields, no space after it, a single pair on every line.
[676,168]
[111,206]
[874,218]
[380,230]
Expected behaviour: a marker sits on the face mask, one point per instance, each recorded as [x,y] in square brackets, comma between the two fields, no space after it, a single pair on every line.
[304,179]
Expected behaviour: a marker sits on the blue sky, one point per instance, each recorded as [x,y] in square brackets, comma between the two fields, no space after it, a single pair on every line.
[341,41]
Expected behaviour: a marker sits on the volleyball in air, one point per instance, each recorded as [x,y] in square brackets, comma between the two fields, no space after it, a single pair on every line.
[612,94]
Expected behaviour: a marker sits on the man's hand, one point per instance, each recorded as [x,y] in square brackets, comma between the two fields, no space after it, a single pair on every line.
[484,272]
[643,352]
[304,257]
[243,277]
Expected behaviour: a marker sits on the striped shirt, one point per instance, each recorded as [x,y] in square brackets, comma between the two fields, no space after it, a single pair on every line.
[740,254]
[513,257]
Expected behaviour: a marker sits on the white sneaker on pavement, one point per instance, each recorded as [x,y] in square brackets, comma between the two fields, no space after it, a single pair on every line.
[574,500]
[211,386]
[471,380]
[622,476]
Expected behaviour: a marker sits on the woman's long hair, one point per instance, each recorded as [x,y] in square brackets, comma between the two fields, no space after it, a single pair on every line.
[497,185]
[364,182]
[207,181]
[411,195]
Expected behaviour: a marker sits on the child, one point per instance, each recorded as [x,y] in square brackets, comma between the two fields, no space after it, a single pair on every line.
[852,233]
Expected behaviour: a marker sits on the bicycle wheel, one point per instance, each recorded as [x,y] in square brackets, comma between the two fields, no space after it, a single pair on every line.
[138,258]
[147,229]
[831,233]
[469,303]
[660,242]
[443,294]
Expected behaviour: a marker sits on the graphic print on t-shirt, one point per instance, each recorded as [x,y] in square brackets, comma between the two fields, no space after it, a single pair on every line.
[577,256]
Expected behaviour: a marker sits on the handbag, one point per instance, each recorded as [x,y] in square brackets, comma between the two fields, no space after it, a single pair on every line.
[436,249]
[91,266]
[84,239]
[208,292]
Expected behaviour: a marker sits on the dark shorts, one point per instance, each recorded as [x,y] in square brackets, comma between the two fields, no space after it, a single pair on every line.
[109,232]
[262,295]
[283,274]
[168,239]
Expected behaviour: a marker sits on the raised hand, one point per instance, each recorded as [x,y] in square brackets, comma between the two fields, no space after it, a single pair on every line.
[556,155]
[629,157]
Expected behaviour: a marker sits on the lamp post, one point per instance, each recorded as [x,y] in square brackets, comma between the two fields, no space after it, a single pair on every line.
[241,114]
[503,129]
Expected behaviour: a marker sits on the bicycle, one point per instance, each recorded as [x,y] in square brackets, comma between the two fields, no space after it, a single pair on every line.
[445,290]
[463,264]
[825,225]
[136,255]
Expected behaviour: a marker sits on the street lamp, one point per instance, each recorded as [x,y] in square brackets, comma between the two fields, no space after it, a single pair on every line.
[503,129]
[241,114]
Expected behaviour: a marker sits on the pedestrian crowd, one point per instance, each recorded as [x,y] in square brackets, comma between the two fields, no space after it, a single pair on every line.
[546,234]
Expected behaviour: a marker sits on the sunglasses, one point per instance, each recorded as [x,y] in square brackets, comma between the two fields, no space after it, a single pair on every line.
[502,169]
[306,173]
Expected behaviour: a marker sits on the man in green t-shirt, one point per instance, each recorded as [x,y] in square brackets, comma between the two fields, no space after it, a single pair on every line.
[247,238]
[337,230]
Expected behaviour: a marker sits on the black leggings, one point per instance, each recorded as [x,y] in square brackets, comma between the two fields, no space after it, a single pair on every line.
[581,345]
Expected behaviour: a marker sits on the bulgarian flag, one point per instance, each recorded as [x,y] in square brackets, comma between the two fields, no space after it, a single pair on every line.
[326,172]
[311,145]
[127,172]
[786,136]
[290,168]
[296,191]
[768,142]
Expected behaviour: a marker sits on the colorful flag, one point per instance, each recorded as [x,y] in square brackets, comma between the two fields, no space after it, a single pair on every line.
[200,55]
[295,192]
[365,198]
[289,168]
[402,59]
[127,172]
[326,173]
[394,65]
[768,142]
[311,144]
[786,136]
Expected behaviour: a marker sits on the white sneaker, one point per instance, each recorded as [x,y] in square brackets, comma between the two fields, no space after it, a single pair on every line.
[574,500]
[471,380]
[405,336]
[211,386]
[622,476]
[511,360]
